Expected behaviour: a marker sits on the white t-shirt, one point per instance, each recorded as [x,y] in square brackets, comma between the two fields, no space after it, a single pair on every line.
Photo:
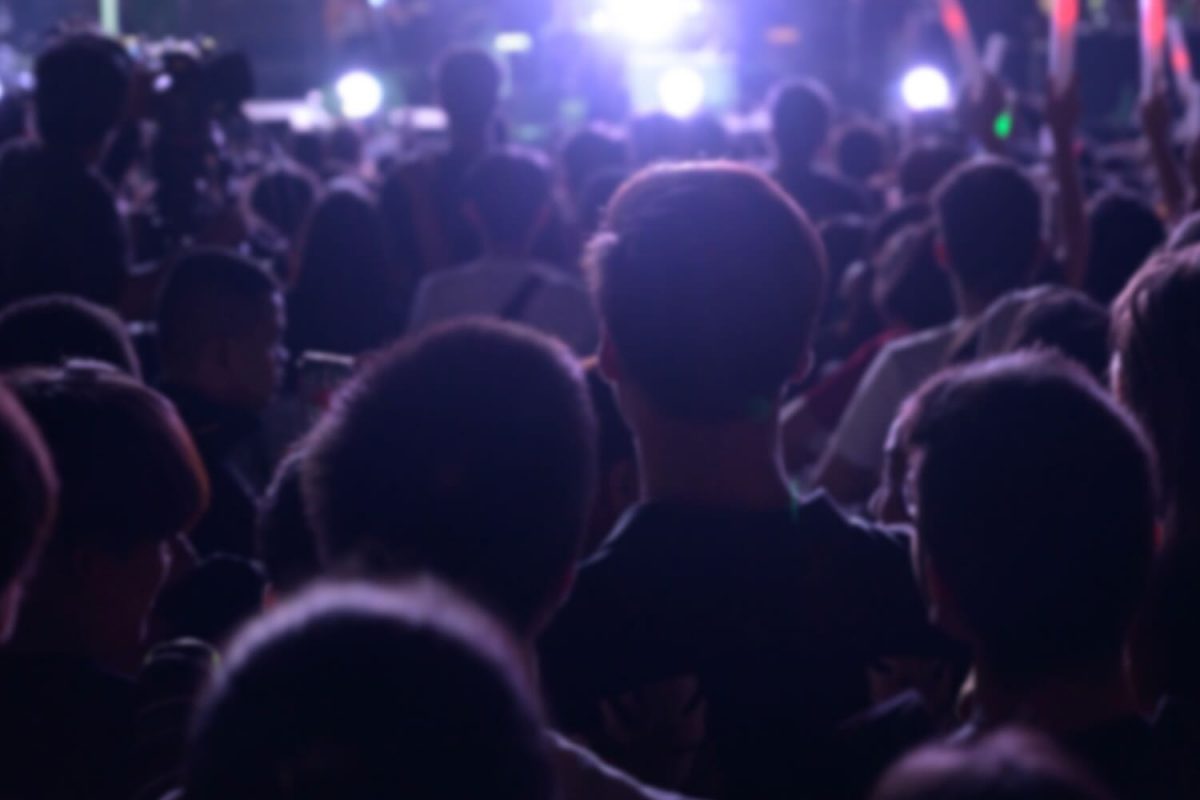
[557,305]
[901,368]
[898,370]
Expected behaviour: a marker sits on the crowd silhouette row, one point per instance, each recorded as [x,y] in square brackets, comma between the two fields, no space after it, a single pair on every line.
[858,461]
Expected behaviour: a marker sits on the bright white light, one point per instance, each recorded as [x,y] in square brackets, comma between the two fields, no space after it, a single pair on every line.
[644,21]
[377,3]
[926,89]
[360,94]
[514,42]
[681,91]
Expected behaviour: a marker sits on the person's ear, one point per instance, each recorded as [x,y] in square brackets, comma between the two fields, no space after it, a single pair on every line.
[609,359]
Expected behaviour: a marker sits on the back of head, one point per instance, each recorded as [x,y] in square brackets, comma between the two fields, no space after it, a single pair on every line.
[1071,323]
[925,166]
[708,137]
[862,152]
[709,280]
[910,286]
[508,195]
[209,295]
[910,212]
[28,492]
[1125,231]
[801,115]
[283,196]
[343,300]
[82,82]
[659,137]
[468,83]
[989,217]
[1157,335]
[129,471]
[350,691]
[343,247]
[597,194]
[467,452]
[1009,765]
[1035,511]
[589,152]
[50,330]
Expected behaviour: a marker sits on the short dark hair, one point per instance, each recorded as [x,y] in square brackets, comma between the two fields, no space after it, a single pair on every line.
[468,452]
[1011,764]
[209,294]
[801,116]
[1068,321]
[28,490]
[910,285]
[82,83]
[283,196]
[989,216]
[709,279]
[657,137]
[1036,508]
[342,301]
[862,151]
[128,469]
[508,191]
[468,82]
[50,330]
[1156,332]
[1125,230]
[910,212]
[588,152]
[353,691]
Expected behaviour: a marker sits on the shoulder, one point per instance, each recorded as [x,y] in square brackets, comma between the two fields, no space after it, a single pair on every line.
[856,544]
[932,339]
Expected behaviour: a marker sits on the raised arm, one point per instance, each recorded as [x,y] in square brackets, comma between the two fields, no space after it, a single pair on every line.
[1062,118]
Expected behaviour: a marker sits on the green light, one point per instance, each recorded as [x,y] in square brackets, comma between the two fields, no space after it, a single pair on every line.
[1003,127]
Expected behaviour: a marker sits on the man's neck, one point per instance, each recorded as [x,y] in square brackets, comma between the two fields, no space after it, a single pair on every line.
[731,466]
[1061,703]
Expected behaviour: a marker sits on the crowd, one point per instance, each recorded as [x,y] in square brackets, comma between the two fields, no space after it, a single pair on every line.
[869,470]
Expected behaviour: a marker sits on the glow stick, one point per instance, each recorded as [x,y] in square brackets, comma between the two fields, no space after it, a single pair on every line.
[958,28]
[1154,42]
[1181,56]
[110,17]
[1181,66]
[1064,22]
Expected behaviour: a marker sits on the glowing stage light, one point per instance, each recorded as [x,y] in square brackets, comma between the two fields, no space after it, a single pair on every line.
[926,89]
[682,91]
[377,3]
[513,42]
[360,94]
[644,21]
